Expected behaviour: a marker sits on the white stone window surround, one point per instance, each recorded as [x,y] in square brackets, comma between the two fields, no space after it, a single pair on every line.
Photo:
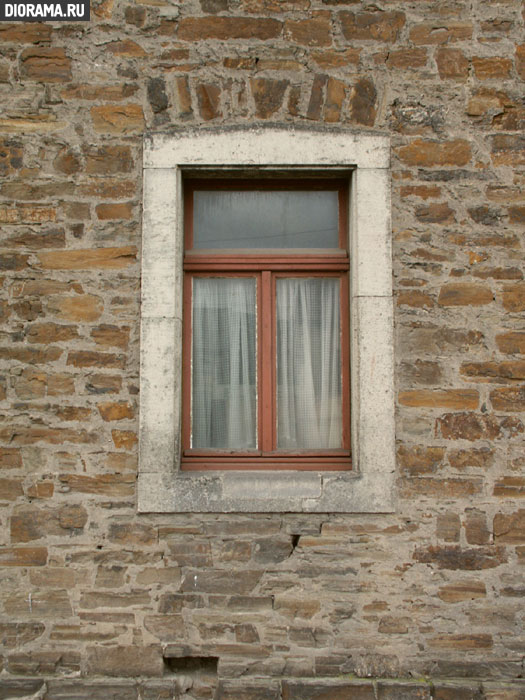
[369,486]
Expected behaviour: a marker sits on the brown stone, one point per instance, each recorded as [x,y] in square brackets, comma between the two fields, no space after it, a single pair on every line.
[44,604]
[448,526]
[30,385]
[208,97]
[242,582]
[508,149]
[47,65]
[33,356]
[46,333]
[420,459]
[452,63]
[108,160]
[510,529]
[499,273]
[166,628]
[394,625]
[415,299]
[514,297]
[10,458]
[125,661]
[455,557]
[23,435]
[15,634]
[476,530]
[436,153]
[425,372]
[23,556]
[104,384]
[268,95]
[336,59]
[111,336]
[78,308]
[491,68]
[108,485]
[435,213]
[227,28]
[44,288]
[472,426]
[41,489]
[465,590]
[60,384]
[439,34]
[114,211]
[314,31]
[25,33]
[315,103]
[430,487]
[363,99]
[13,261]
[107,188]
[335,95]
[29,524]
[436,398]
[422,191]
[101,258]
[482,458]
[508,399]
[124,439]
[465,294]
[407,58]
[376,25]
[183,97]
[510,487]
[67,161]
[517,215]
[125,47]
[461,641]
[92,92]
[132,534]
[10,489]
[118,119]
[42,662]
[115,411]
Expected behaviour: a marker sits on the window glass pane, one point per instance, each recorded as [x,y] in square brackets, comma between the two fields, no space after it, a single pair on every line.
[309,401]
[259,219]
[224,363]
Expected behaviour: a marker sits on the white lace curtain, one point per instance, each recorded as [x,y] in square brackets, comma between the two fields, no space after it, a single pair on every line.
[308,364]
[224,363]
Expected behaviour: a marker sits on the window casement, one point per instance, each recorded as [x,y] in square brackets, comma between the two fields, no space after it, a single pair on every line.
[266,371]
[266,325]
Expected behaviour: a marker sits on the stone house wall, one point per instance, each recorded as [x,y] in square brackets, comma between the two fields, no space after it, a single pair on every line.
[99,602]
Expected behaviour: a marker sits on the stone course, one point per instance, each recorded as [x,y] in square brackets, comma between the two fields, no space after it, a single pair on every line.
[98,602]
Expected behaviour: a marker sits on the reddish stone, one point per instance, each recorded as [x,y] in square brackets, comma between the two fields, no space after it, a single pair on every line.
[268,95]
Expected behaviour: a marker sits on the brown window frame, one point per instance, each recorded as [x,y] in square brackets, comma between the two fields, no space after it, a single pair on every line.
[266,266]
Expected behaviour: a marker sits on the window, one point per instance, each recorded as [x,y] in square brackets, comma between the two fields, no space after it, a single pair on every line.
[266,338]
[264,460]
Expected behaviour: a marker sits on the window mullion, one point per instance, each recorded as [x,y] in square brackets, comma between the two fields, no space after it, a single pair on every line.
[266,382]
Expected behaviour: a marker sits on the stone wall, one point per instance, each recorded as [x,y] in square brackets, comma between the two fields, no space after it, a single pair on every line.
[99,602]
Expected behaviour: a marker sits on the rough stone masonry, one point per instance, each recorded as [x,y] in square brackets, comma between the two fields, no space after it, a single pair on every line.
[99,602]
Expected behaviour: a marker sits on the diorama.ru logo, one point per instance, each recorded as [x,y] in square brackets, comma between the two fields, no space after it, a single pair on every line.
[40,11]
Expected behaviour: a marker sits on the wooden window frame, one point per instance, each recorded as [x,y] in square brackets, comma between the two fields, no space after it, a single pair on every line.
[266,266]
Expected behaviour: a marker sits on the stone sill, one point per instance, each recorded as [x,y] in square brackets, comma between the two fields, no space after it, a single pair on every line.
[263,492]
